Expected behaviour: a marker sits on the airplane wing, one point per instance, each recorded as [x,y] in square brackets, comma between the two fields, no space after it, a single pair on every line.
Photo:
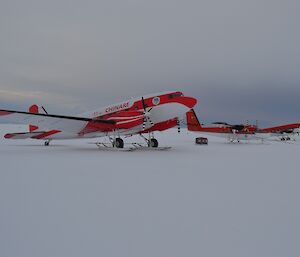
[288,128]
[70,124]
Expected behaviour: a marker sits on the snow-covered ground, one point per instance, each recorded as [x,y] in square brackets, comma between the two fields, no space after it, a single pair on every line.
[70,199]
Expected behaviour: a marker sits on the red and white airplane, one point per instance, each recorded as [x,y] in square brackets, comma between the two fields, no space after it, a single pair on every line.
[137,116]
[222,129]
[284,132]
[242,131]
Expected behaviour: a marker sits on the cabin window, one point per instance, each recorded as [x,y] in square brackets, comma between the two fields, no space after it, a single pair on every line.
[174,95]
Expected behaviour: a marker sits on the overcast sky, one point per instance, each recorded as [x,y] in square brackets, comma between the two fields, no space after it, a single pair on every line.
[239,58]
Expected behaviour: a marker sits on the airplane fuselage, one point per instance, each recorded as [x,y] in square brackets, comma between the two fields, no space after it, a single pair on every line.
[163,110]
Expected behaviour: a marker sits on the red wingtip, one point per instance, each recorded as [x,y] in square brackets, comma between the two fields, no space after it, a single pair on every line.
[3,113]
[7,136]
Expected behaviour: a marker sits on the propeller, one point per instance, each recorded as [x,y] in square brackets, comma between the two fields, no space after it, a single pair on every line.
[178,125]
[146,114]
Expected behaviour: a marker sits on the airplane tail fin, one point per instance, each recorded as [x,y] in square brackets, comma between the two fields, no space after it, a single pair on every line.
[33,109]
[192,121]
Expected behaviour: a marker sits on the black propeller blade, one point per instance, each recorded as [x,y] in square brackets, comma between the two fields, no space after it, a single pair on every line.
[144,105]
[178,125]
[146,113]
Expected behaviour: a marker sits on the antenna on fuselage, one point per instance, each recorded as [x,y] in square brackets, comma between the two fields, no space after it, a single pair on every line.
[44,110]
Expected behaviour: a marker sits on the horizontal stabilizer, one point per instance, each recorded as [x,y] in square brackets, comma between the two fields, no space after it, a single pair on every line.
[33,135]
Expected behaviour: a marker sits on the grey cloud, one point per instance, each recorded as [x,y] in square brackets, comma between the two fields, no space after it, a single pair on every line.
[99,52]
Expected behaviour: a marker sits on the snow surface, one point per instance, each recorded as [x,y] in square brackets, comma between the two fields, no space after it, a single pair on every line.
[70,199]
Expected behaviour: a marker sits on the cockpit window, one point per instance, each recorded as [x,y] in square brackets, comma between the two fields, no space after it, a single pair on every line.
[175,95]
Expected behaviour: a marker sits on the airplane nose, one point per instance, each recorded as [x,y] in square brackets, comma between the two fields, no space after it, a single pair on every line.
[189,102]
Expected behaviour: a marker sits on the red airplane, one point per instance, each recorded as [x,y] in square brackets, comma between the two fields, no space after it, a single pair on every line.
[222,129]
[242,132]
[284,132]
[138,116]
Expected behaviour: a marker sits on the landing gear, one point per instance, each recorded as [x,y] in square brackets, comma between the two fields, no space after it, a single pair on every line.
[153,143]
[118,143]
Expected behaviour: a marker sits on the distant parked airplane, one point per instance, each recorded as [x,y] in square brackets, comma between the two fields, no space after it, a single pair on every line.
[242,132]
[284,132]
[222,129]
[137,116]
